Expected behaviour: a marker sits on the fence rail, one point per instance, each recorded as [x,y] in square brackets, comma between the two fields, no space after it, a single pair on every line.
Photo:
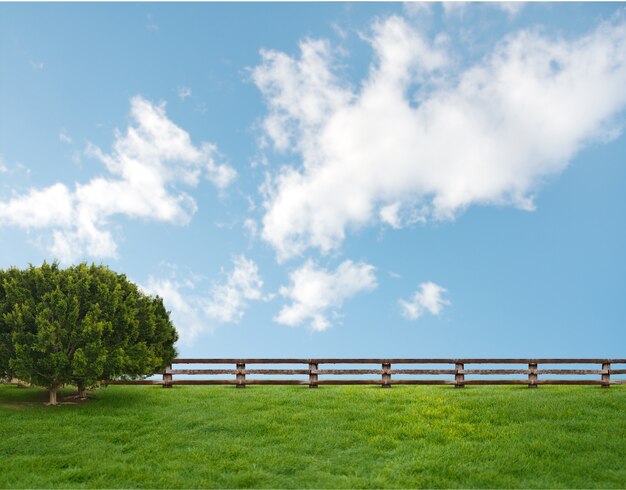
[456,372]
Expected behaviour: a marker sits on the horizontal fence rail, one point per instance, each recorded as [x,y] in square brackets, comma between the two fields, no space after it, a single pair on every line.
[454,372]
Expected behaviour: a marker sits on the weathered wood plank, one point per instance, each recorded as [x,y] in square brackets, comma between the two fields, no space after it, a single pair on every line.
[379,381]
[313,375]
[422,382]
[537,361]
[134,382]
[569,382]
[347,371]
[496,382]
[569,371]
[398,361]
[386,377]
[363,382]
[235,371]
[243,383]
[205,382]
[241,377]
[494,371]
[459,377]
[606,377]
[383,371]
[423,371]
[167,377]
[277,381]
[276,371]
[383,361]
[532,375]
[240,361]
[394,371]
[202,371]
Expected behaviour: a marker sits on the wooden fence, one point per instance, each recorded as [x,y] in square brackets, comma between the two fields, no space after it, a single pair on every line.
[454,371]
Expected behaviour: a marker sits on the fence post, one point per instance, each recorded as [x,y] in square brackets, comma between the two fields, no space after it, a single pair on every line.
[459,377]
[606,374]
[386,375]
[167,377]
[312,375]
[241,375]
[532,375]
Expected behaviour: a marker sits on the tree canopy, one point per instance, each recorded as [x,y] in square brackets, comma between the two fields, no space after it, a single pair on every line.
[81,326]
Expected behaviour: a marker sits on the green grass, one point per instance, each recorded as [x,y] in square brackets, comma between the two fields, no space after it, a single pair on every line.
[333,437]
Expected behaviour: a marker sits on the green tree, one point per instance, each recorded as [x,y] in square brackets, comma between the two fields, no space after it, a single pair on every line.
[84,325]
[7,277]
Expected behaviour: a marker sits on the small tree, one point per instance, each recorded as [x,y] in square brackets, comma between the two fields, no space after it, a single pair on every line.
[84,325]
[7,277]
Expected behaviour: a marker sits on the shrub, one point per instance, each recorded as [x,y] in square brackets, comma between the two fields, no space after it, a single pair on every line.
[82,325]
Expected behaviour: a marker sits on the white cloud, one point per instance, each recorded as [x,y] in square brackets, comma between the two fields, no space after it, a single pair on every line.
[512,9]
[3,167]
[389,215]
[64,137]
[145,168]
[186,313]
[302,92]
[183,93]
[251,228]
[422,133]
[151,24]
[315,292]
[220,175]
[230,299]
[454,8]
[418,9]
[37,65]
[52,206]
[428,298]
[196,311]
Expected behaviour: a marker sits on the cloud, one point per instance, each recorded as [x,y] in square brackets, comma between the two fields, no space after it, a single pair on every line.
[251,227]
[37,65]
[314,292]
[183,93]
[64,137]
[428,298]
[455,8]
[185,311]
[52,206]
[195,311]
[512,9]
[230,299]
[417,9]
[423,137]
[3,167]
[151,24]
[389,215]
[145,168]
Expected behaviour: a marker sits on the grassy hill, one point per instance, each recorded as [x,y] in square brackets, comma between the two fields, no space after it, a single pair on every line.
[333,437]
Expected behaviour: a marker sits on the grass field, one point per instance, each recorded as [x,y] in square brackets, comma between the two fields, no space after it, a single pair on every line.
[333,437]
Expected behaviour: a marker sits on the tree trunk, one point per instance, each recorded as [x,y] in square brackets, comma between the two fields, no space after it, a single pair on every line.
[53,395]
[82,393]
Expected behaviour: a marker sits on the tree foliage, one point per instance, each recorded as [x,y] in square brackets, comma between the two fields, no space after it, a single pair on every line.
[8,278]
[81,326]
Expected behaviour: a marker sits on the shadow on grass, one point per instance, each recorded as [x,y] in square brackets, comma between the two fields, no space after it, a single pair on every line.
[19,397]
[12,396]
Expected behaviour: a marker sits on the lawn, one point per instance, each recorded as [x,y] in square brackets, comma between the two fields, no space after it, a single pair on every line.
[332,437]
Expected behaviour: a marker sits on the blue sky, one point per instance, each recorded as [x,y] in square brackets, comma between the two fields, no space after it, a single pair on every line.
[329,179]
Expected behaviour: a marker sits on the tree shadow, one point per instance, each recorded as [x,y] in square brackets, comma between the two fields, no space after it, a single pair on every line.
[21,397]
